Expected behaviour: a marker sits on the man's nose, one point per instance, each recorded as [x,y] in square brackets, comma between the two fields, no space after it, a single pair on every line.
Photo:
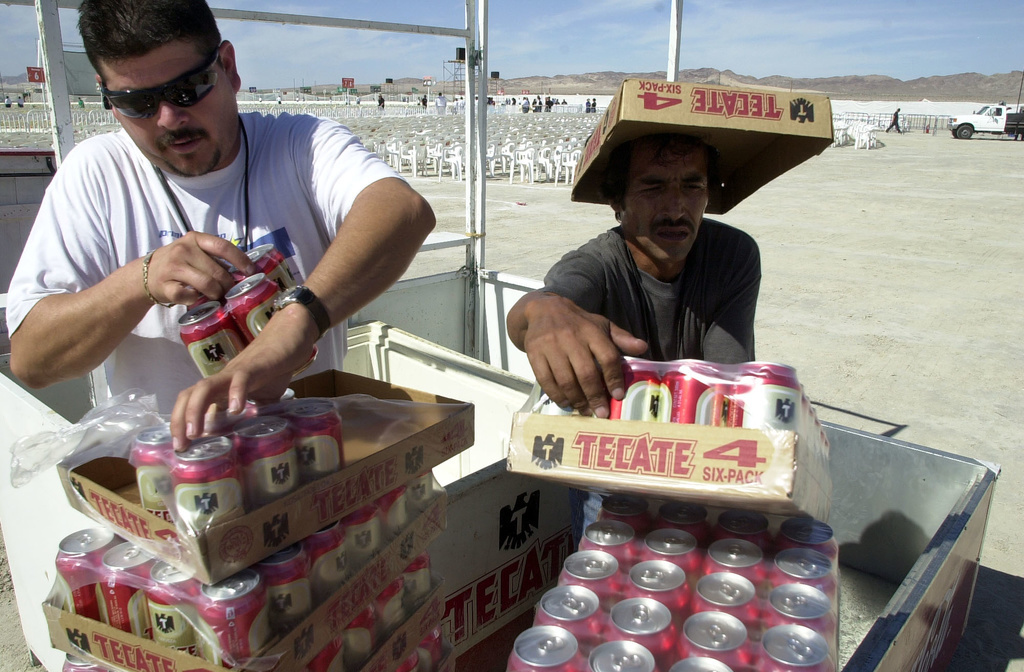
[171,116]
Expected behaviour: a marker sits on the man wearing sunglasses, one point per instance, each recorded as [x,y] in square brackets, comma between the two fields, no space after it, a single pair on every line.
[141,223]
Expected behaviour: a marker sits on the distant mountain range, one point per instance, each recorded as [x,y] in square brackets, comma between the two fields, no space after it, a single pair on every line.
[967,86]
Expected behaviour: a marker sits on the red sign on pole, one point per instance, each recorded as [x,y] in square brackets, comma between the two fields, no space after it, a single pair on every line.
[348,82]
[36,75]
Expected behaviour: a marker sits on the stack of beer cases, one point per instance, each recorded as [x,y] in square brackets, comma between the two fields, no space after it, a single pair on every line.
[661,585]
[364,580]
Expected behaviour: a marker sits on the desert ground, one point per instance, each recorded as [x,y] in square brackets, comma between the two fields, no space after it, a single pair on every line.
[892,282]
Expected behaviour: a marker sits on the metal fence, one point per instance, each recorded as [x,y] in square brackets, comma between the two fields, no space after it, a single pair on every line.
[908,122]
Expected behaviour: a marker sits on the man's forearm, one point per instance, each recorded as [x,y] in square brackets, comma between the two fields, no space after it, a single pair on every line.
[67,335]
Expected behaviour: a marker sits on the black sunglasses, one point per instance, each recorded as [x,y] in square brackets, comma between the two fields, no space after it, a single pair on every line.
[185,91]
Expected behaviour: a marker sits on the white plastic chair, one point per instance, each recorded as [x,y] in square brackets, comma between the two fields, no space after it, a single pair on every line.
[570,163]
[526,164]
[453,160]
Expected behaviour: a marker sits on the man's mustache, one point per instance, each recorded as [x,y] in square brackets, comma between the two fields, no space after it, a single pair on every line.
[179,135]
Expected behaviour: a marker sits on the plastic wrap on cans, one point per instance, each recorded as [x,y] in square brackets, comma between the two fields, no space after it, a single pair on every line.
[748,525]
[79,560]
[645,397]
[76,664]
[692,518]
[717,635]
[794,648]
[621,656]
[206,483]
[806,566]
[431,649]
[410,664]
[389,606]
[394,510]
[122,600]
[630,509]
[233,622]
[738,556]
[170,619]
[647,622]
[728,593]
[807,533]
[211,336]
[596,570]
[270,262]
[316,425]
[420,491]
[266,454]
[700,664]
[251,304]
[360,637]
[330,658]
[289,593]
[797,604]
[545,648]
[578,610]
[364,534]
[676,546]
[417,580]
[151,455]
[328,562]
[663,581]
[612,536]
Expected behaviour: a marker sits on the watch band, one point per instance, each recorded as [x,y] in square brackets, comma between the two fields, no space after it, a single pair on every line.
[304,296]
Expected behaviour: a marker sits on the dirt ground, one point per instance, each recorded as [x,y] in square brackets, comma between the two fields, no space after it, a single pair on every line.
[891,280]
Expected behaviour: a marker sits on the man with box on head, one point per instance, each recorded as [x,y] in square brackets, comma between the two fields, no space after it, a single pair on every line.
[140,223]
[666,283]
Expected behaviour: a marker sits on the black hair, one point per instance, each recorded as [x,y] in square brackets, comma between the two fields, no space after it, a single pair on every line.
[114,30]
[666,145]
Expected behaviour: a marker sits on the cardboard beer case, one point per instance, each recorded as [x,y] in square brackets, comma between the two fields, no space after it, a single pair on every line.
[105,489]
[82,636]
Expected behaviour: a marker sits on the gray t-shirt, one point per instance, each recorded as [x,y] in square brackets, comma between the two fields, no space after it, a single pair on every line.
[705,313]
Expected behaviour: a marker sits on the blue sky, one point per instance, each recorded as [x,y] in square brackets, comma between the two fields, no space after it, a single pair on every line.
[905,39]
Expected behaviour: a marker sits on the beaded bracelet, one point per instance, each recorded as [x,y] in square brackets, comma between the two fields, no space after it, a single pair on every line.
[145,281]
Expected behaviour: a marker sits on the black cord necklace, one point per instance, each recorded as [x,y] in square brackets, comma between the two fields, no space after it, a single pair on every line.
[246,242]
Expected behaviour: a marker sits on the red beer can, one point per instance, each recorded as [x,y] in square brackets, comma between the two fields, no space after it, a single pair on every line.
[596,570]
[420,491]
[723,637]
[575,608]
[394,510]
[205,480]
[772,397]
[700,664]
[807,533]
[79,568]
[797,604]
[729,594]
[122,598]
[266,454]
[289,593]
[389,606]
[251,304]
[410,664]
[748,525]
[546,648]
[317,429]
[167,593]
[675,546]
[330,658]
[806,566]
[418,580]
[232,618]
[328,563]
[629,509]
[431,649]
[364,534]
[663,581]
[360,638]
[151,455]
[692,518]
[647,622]
[211,336]
[686,391]
[645,397]
[739,557]
[621,656]
[76,664]
[794,648]
[270,262]
[615,537]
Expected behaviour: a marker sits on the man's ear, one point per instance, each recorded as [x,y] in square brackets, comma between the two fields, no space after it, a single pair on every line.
[230,65]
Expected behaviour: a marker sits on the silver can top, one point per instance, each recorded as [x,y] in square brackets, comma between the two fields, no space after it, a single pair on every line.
[806,530]
[310,408]
[286,554]
[261,427]
[154,436]
[206,448]
[667,541]
[609,532]
[624,505]
[700,665]
[245,286]
[233,587]
[715,631]
[640,616]
[258,252]
[621,656]
[682,513]
[570,603]
[798,600]
[546,646]
[725,589]
[166,574]
[735,553]
[125,556]
[743,522]
[86,541]
[795,645]
[198,314]
[803,563]
[657,575]
[591,565]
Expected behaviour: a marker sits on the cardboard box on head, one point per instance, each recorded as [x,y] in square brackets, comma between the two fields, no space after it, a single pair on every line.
[759,134]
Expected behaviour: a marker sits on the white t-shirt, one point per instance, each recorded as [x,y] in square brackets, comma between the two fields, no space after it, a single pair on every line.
[106,207]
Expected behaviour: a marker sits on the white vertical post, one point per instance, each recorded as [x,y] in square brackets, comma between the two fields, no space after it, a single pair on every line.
[57,99]
[675,30]
[481,176]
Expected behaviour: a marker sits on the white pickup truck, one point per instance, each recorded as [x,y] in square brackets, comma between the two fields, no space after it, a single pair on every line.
[989,119]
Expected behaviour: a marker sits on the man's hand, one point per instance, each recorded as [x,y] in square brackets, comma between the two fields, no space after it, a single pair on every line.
[188,267]
[261,372]
[576,356]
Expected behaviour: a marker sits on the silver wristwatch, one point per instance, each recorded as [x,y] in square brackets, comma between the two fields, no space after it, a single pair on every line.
[304,296]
